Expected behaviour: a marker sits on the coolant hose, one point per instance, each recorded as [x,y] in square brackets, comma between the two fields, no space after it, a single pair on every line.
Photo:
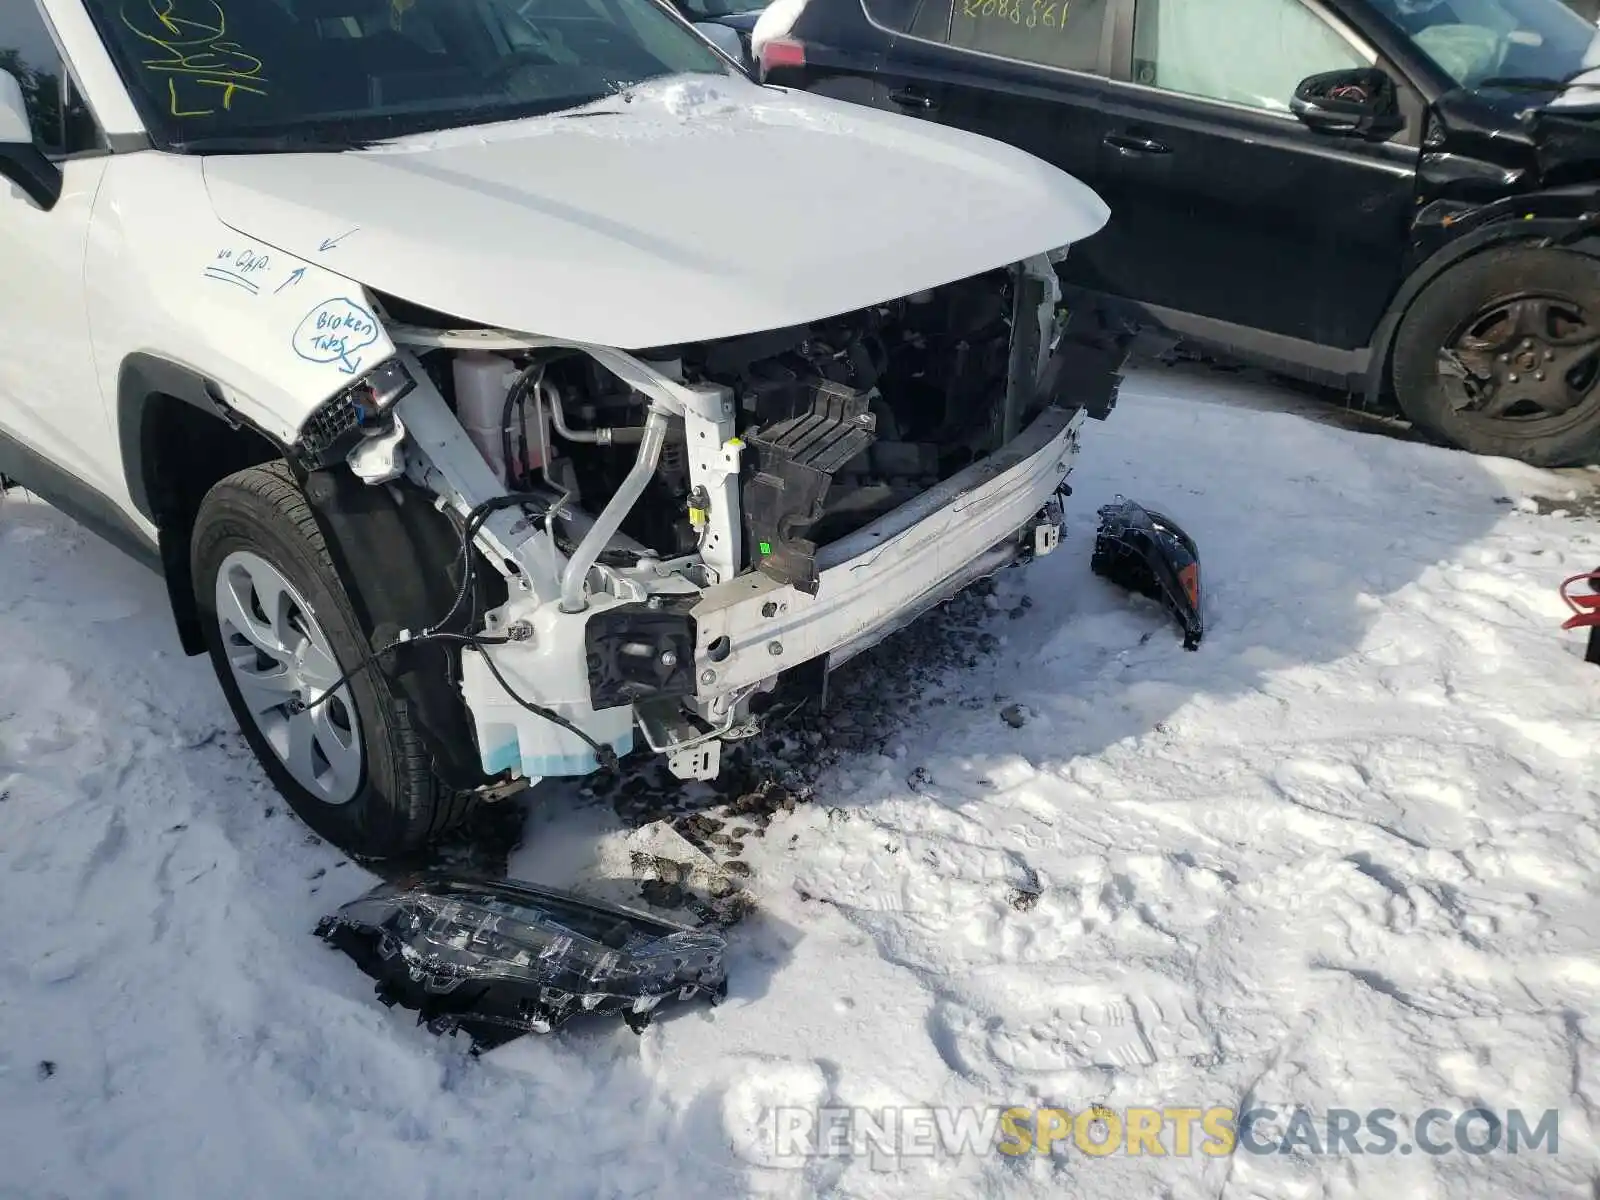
[611,517]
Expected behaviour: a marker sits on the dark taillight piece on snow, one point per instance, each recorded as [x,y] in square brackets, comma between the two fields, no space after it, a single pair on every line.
[779,53]
[498,958]
[636,652]
[1148,553]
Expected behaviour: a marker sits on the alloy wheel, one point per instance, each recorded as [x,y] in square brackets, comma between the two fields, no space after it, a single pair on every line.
[284,668]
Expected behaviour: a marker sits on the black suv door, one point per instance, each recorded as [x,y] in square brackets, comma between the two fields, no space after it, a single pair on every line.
[1028,72]
[1230,220]
[1226,208]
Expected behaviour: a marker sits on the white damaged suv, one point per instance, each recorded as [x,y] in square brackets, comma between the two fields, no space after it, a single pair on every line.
[503,386]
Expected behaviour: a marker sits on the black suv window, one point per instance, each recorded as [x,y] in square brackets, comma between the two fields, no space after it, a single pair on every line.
[1523,39]
[61,121]
[1249,52]
[1053,33]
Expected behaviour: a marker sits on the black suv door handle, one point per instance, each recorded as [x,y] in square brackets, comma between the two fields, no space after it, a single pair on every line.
[910,97]
[1127,144]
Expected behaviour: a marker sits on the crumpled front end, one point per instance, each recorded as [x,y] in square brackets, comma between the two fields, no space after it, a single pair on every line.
[655,540]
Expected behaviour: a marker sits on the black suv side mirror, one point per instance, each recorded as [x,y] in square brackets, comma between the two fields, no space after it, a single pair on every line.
[22,162]
[1358,103]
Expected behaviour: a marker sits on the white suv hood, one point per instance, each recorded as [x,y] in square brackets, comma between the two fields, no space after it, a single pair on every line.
[699,209]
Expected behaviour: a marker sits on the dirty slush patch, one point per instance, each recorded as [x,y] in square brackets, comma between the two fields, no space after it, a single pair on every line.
[872,701]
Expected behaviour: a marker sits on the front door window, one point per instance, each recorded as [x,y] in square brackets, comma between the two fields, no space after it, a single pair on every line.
[1248,52]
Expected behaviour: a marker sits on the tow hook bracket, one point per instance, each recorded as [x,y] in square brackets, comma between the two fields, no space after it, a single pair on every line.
[692,753]
[1044,536]
[701,762]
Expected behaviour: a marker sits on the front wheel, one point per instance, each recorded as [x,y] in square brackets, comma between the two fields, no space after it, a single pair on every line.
[1501,356]
[282,634]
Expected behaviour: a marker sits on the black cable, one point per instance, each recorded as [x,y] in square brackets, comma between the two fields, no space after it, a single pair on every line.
[517,397]
[371,659]
[605,754]
[465,563]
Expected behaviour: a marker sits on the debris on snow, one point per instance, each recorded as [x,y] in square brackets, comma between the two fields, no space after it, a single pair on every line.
[1357,871]
[497,959]
[1146,552]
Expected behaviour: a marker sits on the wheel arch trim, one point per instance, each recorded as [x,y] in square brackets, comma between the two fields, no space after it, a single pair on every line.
[140,380]
[396,557]
[143,380]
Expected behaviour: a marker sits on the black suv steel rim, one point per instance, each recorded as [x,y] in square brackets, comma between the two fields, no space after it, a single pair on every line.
[1530,362]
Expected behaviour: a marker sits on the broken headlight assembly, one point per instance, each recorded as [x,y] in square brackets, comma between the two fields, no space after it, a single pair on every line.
[498,959]
[358,412]
[1148,553]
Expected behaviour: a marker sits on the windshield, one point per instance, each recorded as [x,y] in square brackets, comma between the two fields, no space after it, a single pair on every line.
[1480,42]
[206,71]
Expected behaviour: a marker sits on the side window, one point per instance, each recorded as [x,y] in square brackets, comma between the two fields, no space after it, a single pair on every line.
[930,20]
[61,121]
[1250,52]
[898,15]
[1052,33]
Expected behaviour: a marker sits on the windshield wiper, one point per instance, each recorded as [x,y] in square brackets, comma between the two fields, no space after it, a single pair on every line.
[1537,83]
[1523,83]
[281,143]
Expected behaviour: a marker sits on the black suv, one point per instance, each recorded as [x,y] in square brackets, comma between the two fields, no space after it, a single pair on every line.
[1395,196]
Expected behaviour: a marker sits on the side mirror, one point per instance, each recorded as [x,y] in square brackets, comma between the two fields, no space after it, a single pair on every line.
[22,162]
[1359,103]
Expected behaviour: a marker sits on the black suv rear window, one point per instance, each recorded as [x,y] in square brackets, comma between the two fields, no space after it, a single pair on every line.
[1052,33]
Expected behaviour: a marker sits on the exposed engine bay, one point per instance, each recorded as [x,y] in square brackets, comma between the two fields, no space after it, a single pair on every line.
[840,422]
[653,539]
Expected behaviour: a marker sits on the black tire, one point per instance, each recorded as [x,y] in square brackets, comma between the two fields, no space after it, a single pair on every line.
[1448,306]
[399,805]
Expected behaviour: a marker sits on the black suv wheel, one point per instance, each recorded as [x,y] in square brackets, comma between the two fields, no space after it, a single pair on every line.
[1501,355]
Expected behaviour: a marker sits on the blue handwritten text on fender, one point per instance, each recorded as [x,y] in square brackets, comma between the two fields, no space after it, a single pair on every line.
[334,332]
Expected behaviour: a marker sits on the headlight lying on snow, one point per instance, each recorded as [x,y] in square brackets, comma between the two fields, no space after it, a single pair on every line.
[498,959]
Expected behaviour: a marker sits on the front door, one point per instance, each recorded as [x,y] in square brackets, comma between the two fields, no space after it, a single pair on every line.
[1232,219]
[1028,72]
[50,398]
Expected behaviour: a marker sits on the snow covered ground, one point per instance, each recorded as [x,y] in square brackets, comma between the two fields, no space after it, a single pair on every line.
[1343,856]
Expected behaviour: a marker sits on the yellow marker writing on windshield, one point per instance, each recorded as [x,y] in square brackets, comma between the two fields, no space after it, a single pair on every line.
[197,54]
